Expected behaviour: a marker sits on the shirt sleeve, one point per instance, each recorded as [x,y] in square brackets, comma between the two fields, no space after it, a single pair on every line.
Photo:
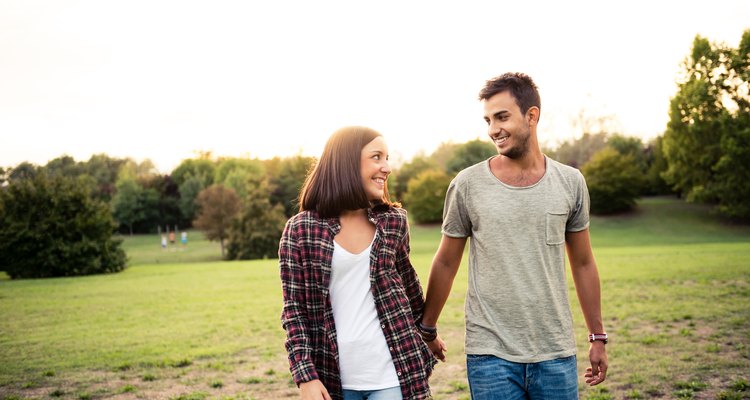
[579,218]
[293,315]
[409,275]
[456,222]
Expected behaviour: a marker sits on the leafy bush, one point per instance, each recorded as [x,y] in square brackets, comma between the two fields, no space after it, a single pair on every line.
[51,226]
[255,233]
[614,181]
[470,153]
[426,195]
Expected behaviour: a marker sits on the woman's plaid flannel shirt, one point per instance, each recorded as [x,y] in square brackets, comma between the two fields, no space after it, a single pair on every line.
[305,254]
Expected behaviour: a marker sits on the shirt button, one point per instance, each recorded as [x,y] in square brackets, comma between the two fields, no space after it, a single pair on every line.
[399,374]
[382,326]
[391,348]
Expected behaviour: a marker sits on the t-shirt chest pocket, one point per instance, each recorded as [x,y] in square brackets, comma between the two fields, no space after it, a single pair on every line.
[556,227]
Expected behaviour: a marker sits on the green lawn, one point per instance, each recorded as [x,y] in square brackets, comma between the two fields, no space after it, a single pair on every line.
[178,324]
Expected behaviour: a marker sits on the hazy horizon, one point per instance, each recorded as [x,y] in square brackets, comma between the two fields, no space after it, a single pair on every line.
[163,79]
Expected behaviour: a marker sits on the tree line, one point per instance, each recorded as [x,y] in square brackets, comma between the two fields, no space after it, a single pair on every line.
[704,155]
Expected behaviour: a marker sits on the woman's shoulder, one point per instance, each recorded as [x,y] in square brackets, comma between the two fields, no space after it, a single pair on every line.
[304,219]
[392,211]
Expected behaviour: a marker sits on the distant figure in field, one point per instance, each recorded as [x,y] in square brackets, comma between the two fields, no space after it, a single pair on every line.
[183,238]
[351,296]
[521,210]
[171,237]
[163,241]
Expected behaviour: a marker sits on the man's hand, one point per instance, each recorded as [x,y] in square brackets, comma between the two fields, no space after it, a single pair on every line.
[438,348]
[598,357]
[313,390]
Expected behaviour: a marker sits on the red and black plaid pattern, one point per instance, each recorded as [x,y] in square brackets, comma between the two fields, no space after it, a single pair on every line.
[305,254]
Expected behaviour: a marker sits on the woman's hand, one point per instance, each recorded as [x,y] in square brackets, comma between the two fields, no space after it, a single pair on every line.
[313,390]
[438,348]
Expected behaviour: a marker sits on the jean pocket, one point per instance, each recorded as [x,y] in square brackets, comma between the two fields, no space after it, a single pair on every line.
[556,228]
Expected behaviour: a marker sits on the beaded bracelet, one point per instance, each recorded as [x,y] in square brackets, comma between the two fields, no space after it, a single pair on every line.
[429,333]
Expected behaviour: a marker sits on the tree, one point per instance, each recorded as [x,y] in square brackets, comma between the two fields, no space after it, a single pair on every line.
[104,170]
[407,172]
[202,169]
[443,154]
[189,190]
[64,166]
[51,226]
[577,152]
[218,206]
[257,230]
[126,205]
[22,171]
[628,145]
[470,153]
[707,142]
[614,181]
[228,166]
[656,166]
[426,194]
[161,203]
[286,176]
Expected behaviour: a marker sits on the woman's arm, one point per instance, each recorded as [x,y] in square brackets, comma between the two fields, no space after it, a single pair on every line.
[409,275]
[294,315]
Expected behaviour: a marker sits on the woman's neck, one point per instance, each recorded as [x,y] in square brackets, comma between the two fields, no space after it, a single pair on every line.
[353,214]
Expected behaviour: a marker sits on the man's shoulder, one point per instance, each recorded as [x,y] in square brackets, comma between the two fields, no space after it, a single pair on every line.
[471,172]
[563,168]
[566,172]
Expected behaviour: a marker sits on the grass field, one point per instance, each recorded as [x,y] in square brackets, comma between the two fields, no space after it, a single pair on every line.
[179,324]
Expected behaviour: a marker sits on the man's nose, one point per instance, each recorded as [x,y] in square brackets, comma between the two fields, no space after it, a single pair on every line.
[493,129]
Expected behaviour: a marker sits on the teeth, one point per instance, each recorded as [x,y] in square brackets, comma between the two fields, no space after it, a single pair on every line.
[501,140]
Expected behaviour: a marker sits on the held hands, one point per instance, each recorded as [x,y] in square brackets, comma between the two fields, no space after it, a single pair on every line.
[597,372]
[313,390]
[438,348]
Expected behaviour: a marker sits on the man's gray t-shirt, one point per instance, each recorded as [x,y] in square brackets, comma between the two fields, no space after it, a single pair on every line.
[517,301]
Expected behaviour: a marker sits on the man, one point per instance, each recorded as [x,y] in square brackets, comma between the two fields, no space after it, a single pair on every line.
[522,210]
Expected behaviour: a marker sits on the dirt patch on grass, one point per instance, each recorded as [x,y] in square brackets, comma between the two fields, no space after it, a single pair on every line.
[242,376]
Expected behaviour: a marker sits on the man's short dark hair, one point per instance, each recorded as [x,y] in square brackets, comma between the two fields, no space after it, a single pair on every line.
[520,86]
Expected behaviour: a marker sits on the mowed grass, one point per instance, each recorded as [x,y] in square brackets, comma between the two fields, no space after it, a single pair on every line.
[675,283]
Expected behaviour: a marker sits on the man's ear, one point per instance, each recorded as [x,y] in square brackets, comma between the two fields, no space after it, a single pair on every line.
[532,115]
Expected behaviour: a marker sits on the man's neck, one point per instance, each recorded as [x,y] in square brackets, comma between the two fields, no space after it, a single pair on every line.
[524,171]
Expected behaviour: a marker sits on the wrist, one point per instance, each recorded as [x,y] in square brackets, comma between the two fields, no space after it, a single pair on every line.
[428,333]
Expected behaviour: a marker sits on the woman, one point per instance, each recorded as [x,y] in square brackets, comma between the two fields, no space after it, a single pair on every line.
[352,299]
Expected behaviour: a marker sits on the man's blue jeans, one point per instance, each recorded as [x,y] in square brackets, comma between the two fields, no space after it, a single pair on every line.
[493,378]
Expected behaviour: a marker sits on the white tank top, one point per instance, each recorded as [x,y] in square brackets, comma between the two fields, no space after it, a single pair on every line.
[364,360]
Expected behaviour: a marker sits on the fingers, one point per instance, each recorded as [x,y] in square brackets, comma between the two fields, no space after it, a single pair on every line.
[594,378]
[437,349]
[598,370]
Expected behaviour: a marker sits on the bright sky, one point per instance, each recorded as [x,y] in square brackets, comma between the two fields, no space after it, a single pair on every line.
[161,79]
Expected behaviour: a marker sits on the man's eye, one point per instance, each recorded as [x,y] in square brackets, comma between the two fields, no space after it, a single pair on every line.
[376,156]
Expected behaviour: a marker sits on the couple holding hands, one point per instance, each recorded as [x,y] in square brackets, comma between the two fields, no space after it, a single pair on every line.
[357,323]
